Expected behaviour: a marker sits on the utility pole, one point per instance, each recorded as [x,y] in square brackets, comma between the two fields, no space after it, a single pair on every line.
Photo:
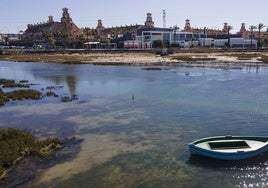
[164,49]
[164,18]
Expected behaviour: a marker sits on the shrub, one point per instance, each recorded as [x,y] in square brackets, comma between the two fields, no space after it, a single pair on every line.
[16,144]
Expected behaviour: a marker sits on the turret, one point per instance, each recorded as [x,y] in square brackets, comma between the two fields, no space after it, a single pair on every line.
[50,19]
[187,25]
[149,21]
[100,27]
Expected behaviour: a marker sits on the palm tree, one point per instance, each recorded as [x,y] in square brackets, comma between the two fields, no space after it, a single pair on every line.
[251,29]
[229,28]
[205,32]
[87,32]
[260,27]
[115,32]
[57,35]
[49,38]
[64,36]
[175,28]
[80,38]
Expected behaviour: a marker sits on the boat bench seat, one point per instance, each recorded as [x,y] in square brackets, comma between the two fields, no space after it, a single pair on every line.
[228,145]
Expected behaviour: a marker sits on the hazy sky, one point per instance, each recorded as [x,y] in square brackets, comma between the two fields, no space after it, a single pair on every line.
[16,14]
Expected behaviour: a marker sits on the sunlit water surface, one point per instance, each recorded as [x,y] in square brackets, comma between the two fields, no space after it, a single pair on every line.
[135,124]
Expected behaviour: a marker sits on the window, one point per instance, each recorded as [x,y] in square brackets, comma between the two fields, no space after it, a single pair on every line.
[189,36]
[182,36]
[196,36]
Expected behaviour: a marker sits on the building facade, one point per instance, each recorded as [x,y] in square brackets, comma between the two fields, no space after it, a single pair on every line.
[52,32]
[66,33]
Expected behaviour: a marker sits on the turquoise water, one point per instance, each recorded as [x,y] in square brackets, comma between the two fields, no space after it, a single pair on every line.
[136,123]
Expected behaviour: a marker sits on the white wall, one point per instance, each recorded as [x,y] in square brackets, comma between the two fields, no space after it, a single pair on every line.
[237,42]
[220,42]
[248,43]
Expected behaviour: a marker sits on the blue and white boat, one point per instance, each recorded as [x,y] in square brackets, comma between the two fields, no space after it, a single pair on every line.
[229,147]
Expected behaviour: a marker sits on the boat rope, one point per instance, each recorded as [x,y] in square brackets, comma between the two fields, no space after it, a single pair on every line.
[182,153]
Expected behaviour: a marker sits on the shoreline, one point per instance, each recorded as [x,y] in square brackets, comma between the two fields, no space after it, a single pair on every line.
[141,57]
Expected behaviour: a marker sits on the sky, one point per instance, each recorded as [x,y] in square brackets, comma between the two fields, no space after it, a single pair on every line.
[16,14]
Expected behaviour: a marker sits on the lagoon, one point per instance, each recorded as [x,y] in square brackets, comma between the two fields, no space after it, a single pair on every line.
[135,124]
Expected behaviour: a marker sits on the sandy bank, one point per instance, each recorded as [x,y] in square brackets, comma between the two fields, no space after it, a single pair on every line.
[141,58]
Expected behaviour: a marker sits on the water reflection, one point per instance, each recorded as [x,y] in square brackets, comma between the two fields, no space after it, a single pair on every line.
[247,173]
[55,78]
[71,82]
[143,142]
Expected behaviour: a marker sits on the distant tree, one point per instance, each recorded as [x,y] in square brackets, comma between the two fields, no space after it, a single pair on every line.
[87,32]
[260,27]
[229,28]
[95,34]
[80,40]
[157,44]
[251,29]
[114,34]
[57,35]
[175,28]
[205,30]
[64,36]
[49,38]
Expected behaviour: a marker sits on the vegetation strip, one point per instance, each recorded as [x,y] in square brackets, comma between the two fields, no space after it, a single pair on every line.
[16,144]
[136,57]
[17,94]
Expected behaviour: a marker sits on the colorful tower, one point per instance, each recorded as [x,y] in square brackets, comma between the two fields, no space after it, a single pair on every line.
[66,19]
[100,27]
[187,25]
[149,21]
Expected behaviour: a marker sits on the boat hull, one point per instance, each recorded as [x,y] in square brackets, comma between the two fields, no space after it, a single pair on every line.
[229,154]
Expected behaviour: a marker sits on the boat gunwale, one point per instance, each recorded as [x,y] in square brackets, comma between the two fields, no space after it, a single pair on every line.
[235,155]
[229,137]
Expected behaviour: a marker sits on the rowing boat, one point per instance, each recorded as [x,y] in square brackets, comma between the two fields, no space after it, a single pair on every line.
[229,147]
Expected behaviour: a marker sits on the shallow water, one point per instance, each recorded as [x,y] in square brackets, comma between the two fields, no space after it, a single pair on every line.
[135,124]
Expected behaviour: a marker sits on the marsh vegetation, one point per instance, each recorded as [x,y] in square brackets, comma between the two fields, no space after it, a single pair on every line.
[16,144]
[17,94]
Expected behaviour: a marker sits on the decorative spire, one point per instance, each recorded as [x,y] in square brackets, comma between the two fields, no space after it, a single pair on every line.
[149,21]
[66,16]
[225,27]
[243,28]
[100,27]
[50,19]
[187,25]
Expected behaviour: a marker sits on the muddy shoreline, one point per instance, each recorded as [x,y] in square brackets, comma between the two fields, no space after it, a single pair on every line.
[141,57]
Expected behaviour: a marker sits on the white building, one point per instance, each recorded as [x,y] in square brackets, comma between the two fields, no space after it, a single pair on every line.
[168,37]
[250,43]
[234,42]
[237,42]
[146,37]
[220,43]
[132,44]
[207,42]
